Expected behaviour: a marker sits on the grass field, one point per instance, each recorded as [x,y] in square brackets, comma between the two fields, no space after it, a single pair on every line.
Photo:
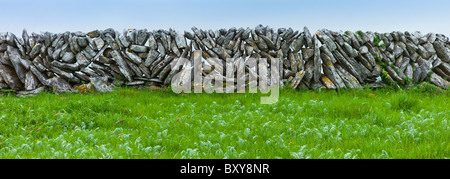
[131,123]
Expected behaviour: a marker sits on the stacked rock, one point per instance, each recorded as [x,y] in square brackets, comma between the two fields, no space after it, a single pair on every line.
[326,59]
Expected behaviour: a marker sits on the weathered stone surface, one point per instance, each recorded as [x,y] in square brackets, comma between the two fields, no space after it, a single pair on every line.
[307,53]
[445,67]
[308,37]
[352,53]
[426,68]
[297,44]
[441,73]
[325,39]
[101,84]
[394,75]
[10,77]
[15,59]
[441,51]
[417,73]
[349,80]
[330,71]
[438,81]
[31,92]
[363,50]
[135,58]
[317,62]
[31,82]
[139,48]
[124,69]
[68,57]
[327,82]
[60,85]
[327,52]
[342,61]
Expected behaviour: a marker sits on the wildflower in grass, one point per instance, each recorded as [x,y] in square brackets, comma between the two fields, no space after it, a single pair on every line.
[37,141]
[160,117]
[90,149]
[120,139]
[291,143]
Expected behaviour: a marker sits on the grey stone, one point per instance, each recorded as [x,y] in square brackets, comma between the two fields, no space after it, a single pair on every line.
[327,82]
[297,44]
[82,41]
[180,41]
[124,41]
[60,85]
[308,37]
[393,74]
[268,42]
[153,45]
[349,80]
[417,73]
[345,64]
[32,92]
[409,71]
[439,72]
[438,81]
[325,39]
[317,62]
[423,52]
[31,82]
[363,50]
[262,45]
[139,48]
[15,60]
[442,51]
[151,57]
[101,84]
[124,69]
[82,60]
[135,58]
[350,51]
[141,36]
[39,75]
[135,83]
[10,77]
[67,66]
[330,56]
[445,67]
[330,71]
[365,62]
[430,49]
[397,51]
[98,42]
[65,74]
[68,57]
[425,67]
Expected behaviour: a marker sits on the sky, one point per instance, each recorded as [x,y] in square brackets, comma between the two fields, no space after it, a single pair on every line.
[85,15]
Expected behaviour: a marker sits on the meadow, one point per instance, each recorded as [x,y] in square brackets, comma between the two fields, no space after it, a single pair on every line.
[155,124]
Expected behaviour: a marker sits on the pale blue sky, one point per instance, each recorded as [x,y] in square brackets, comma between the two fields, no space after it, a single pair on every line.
[85,15]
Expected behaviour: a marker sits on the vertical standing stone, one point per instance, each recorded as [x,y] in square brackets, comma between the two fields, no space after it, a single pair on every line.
[317,61]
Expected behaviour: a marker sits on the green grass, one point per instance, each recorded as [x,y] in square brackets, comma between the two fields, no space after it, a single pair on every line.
[157,124]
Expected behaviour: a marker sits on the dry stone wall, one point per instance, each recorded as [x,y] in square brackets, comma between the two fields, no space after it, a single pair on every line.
[74,61]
